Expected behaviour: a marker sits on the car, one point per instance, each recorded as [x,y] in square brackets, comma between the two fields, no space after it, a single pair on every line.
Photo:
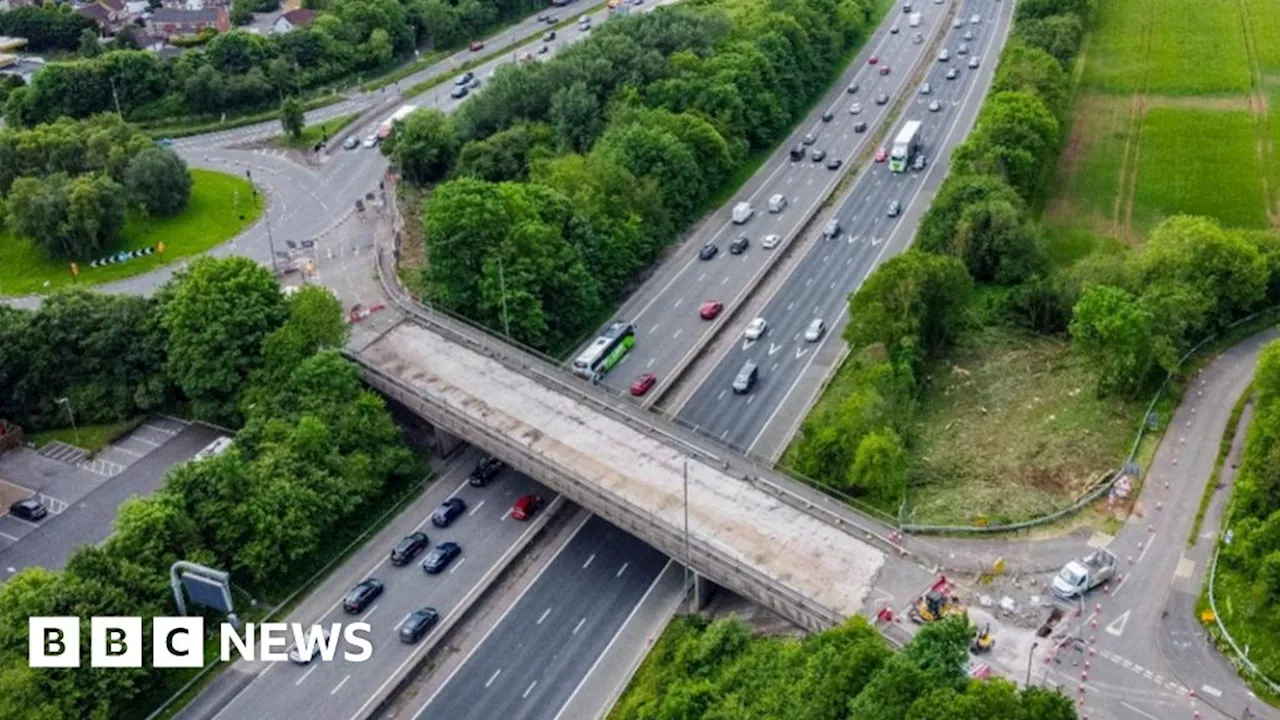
[974,19]
[440,557]
[486,469]
[959,23]
[895,208]
[882,99]
[925,89]
[770,241]
[934,106]
[351,143]
[815,331]
[165,142]
[809,139]
[893,30]
[552,20]
[860,126]
[885,69]
[304,655]
[834,163]
[853,88]
[881,154]
[476,46]
[448,511]
[544,50]
[797,153]
[873,59]
[973,62]
[525,507]
[361,595]
[746,378]
[777,203]
[459,92]
[739,246]
[464,78]
[968,34]
[906,7]
[818,154]
[827,116]
[408,548]
[831,230]
[919,162]
[952,74]
[30,510]
[542,17]
[370,141]
[755,329]
[708,251]
[643,384]
[917,38]
[944,55]
[710,309]
[855,108]
[548,36]
[963,49]
[418,623]
[475,83]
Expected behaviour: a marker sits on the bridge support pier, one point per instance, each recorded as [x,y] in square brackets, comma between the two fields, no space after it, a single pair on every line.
[703,591]
[445,443]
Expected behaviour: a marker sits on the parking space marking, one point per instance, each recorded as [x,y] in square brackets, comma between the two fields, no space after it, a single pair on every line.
[7,536]
[56,506]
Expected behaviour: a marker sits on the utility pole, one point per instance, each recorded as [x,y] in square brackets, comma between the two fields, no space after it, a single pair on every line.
[688,557]
[502,283]
[66,402]
[271,243]
[1030,654]
[114,95]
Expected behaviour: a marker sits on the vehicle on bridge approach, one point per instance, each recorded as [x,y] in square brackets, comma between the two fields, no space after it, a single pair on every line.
[605,351]
[1078,577]
[905,146]
[487,468]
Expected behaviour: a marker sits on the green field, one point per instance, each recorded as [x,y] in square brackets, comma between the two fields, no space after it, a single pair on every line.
[222,206]
[88,437]
[1173,114]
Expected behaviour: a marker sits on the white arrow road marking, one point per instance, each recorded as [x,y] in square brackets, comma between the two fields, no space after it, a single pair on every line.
[854,238]
[747,343]
[876,241]
[1117,626]
[800,352]
[774,348]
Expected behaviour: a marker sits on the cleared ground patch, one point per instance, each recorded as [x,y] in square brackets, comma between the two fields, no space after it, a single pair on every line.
[1009,427]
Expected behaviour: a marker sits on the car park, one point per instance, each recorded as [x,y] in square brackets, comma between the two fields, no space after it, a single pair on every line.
[448,511]
[895,208]
[885,69]
[643,384]
[304,655]
[973,62]
[860,126]
[855,108]
[770,241]
[815,331]
[525,507]
[440,557]
[486,469]
[755,329]
[831,230]
[361,595]
[351,143]
[708,251]
[934,106]
[925,89]
[408,548]
[834,163]
[881,155]
[30,510]
[746,378]
[777,203]
[952,74]
[739,245]
[710,309]
[882,99]
[818,154]
[418,623]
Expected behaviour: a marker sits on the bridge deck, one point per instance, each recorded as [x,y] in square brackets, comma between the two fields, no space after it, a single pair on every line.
[813,558]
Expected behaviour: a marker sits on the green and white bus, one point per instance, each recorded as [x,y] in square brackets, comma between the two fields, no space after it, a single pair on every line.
[605,351]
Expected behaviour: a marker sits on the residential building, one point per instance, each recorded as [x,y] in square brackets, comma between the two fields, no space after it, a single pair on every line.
[293,19]
[170,21]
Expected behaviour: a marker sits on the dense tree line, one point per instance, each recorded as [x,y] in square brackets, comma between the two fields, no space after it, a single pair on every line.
[242,71]
[565,178]
[314,447]
[68,185]
[702,671]
[46,27]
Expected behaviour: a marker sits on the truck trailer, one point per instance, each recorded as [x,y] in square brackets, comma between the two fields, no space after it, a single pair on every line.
[905,146]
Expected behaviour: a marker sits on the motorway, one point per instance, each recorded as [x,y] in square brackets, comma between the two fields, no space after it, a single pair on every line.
[831,270]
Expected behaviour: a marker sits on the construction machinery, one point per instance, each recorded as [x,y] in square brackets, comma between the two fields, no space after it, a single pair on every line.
[983,641]
[938,602]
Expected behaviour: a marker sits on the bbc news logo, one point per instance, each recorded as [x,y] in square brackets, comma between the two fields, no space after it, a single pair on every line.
[178,642]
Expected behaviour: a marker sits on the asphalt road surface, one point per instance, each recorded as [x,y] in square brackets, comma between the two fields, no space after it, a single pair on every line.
[534,657]
[341,690]
[832,269]
[665,313]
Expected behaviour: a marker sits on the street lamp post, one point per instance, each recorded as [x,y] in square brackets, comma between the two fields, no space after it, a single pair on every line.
[271,243]
[502,283]
[66,402]
[1030,655]
[688,558]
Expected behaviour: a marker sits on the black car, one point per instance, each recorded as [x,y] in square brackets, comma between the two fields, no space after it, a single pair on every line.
[552,20]
[361,595]
[818,154]
[739,246]
[548,36]
[459,92]
[708,251]
[417,624]
[853,88]
[797,153]
[881,99]
[408,548]
[440,557]
[486,469]
[448,511]
[29,509]
[860,126]
[826,116]
[834,163]
[809,139]
[464,78]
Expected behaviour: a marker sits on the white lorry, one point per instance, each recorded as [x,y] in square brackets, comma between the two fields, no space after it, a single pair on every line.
[1078,577]
[905,146]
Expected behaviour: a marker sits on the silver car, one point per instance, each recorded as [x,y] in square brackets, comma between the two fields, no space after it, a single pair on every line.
[974,19]
[815,331]
[925,89]
[973,62]
[770,241]
[934,106]
[855,108]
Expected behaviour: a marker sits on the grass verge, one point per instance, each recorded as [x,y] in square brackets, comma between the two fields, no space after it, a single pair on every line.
[200,126]
[314,134]
[655,670]
[221,207]
[1224,447]
[89,437]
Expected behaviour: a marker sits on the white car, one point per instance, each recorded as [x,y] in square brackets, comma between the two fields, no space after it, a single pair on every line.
[973,62]
[855,108]
[944,55]
[925,89]
[296,654]
[777,203]
[974,19]
[371,141]
[815,331]
[755,329]
[770,242]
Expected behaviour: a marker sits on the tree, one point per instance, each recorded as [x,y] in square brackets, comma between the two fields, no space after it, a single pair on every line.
[1119,337]
[1024,68]
[958,192]
[158,181]
[71,218]
[997,243]
[576,116]
[217,314]
[90,46]
[880,467]
[423,146]
[292,117]
[912,304]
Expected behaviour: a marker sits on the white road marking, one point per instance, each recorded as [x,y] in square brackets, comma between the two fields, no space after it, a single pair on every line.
[305,675]
[10,537]
[474,509]
[1210,690]
[457,565]
[493,677]
[578,627]
[673,337]
[544,615]
[529,689]
[1146,547]
[338,687]
[1143,714]
[588,562]
[1117,626]
[621,570]
[367,614]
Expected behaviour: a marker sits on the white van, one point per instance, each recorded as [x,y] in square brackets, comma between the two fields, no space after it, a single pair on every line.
[777,203]
[742,212]
[913,20]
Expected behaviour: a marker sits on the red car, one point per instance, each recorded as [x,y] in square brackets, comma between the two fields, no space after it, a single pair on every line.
[710,309]
[643,384]
[884,70]
[873,59]
[882,155]
[476,46]
[525,507]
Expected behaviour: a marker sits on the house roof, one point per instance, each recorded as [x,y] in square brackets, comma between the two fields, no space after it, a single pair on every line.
[116,5]
[300,17]
[96,13]
[174,15]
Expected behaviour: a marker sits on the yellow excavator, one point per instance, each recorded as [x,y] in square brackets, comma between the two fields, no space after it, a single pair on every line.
[934,605]
[983,641]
